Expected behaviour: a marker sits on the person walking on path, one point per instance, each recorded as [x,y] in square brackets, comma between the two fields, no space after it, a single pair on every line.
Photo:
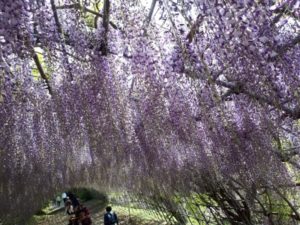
[70,211]
[110,218]
[84,216]
[74,200]
[64,197]
[58,201]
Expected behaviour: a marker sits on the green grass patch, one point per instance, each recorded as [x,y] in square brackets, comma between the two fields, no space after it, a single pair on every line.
[144,215]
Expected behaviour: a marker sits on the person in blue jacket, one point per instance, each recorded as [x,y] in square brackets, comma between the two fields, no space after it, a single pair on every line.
[110,218]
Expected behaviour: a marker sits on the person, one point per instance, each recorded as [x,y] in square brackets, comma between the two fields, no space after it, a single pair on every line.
[70,211]
[84,216]
[64,197]
[110,218]
[58,200]
[69,208]
[74,200]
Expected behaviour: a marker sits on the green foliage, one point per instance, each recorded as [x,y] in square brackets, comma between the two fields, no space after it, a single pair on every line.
[45,63]
[40,212]
[32,221]
[86,194]
[137,213]
[89,18]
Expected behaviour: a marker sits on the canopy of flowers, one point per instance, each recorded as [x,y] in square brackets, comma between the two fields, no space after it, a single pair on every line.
[152,98]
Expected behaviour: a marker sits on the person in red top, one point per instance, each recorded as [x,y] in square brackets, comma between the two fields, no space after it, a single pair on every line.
[84,216]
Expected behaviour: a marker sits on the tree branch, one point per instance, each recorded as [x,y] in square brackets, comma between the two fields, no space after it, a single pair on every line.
[106,7]
[42,73]
[60,32]
[58,25]
[284,10]
[194,28]
[150,12]
[78,6]
[297,215]
[240,89]
[284,48]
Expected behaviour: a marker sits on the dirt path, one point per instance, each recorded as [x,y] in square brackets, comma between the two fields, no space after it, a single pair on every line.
[97,210]
[95,207]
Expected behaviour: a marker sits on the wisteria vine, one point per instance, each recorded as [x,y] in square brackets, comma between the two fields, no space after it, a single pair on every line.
[170,98]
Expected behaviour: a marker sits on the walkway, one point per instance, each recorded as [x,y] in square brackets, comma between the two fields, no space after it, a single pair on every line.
[97,211]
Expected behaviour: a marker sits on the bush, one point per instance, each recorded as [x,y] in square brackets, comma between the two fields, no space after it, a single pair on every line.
[86,194]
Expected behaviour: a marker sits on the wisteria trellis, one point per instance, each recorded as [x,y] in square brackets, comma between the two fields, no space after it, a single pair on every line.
[177,97]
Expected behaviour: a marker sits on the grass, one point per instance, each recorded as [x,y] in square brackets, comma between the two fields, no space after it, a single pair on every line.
[143,216]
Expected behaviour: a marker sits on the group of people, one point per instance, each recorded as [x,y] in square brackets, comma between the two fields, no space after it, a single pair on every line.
[79,214]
